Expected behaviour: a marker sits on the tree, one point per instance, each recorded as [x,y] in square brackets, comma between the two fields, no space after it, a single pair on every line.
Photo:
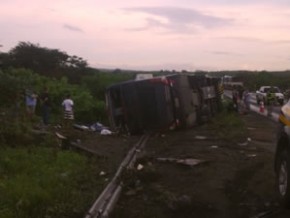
[45,61]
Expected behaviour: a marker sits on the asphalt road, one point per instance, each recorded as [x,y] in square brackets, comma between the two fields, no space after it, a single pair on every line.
[255,107]
[279,213]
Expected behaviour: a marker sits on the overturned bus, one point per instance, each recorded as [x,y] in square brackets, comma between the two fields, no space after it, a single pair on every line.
[161,103]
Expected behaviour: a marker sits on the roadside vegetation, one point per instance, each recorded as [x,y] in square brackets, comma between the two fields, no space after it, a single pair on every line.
[37,178]
[42,182]
[227,125]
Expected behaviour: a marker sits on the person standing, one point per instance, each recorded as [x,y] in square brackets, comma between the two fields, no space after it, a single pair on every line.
[68,105]
[271,100]
[31,101]
[45,107]
[247,98]
[235,98]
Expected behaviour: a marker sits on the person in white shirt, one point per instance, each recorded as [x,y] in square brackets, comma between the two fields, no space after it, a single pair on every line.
[68,110]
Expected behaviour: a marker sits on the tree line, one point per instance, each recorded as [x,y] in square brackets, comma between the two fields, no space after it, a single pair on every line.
[30,66]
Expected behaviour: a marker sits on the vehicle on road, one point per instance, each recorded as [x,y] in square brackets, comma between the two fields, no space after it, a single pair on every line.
[264,93]
[231,82]
[282,156]
[286,94]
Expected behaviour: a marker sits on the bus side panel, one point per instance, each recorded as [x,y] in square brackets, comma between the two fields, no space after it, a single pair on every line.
[140,106]
[157,108]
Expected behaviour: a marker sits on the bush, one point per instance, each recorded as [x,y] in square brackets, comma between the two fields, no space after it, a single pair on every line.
[41,182]
[14,82]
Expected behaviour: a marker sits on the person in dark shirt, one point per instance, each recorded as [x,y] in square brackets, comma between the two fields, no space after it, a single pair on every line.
[45,104]
[235,98]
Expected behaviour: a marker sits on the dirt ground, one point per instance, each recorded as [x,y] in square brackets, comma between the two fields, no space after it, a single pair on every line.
[109,150]
[234,179]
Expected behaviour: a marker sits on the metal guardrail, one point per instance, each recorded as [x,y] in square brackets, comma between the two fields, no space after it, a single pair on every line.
[105,203]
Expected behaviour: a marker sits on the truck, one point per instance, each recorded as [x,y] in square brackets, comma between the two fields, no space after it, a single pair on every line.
[261,94]
[231,82]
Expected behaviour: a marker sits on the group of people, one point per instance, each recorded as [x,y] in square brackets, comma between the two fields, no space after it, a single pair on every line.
[241,100]
[271,100]
[31,100]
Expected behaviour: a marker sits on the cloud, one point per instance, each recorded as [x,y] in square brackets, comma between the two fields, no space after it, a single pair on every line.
[179,19]
[244,39]
[151,23]
[239,2]
[225,53]
[256,40]
[281,42]
[72,28]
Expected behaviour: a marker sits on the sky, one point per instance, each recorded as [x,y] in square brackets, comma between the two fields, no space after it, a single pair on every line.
[146,35]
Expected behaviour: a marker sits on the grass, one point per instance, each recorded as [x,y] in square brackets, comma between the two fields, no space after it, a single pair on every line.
[41,182]
[228,124]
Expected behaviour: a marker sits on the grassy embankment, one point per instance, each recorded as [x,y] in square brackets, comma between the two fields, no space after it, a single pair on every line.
[38,179]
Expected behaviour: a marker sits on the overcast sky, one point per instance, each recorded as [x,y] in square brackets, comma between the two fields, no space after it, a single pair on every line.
[155,34]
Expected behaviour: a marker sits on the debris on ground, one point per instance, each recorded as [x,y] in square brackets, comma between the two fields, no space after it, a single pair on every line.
[251,155]
[243,143]
[187,161]
[97,127]
[140,167]
[200,137]
[60,136]
[246,142]
[102,173]
[106,132]
[81,127]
